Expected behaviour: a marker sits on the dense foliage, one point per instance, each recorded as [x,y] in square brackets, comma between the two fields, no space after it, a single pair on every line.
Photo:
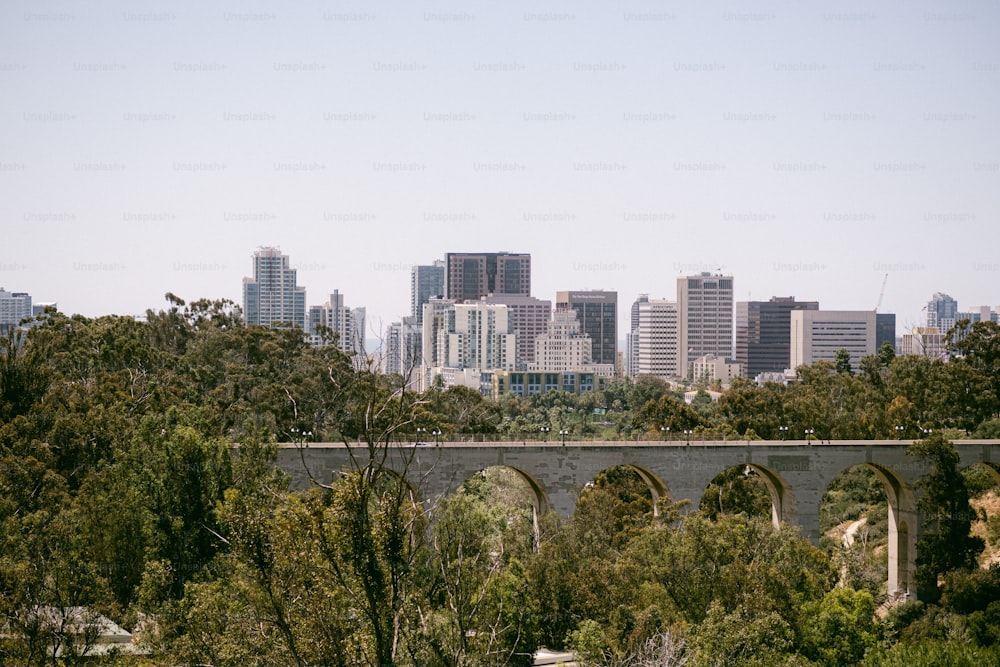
[122,494]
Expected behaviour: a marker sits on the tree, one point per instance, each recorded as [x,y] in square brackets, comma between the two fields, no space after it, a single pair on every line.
[838,630]
[842,361]
[947,543]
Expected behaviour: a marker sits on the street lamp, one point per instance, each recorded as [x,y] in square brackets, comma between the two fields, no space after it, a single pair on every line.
[436,432]
[665,430]
[563,432]
[420,430]
[809,433]
[301,436]
[899,432]
[784,431]
[545,433]
[687,434]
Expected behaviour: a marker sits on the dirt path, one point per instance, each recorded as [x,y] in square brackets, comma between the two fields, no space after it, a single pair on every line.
[852,530]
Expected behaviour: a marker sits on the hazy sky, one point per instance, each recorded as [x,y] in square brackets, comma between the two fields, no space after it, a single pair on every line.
[806,148]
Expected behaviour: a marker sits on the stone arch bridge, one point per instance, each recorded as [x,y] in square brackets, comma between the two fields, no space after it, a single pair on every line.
[796,474]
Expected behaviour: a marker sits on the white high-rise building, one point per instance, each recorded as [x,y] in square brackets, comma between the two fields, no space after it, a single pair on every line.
[437,315]
[632,339]
[347,323]
[14,307]
[479,336]
[658,337]
[462,339]
[529,319]
[704,318]
[563,348]
[817,335]
[402,348]
[271,297]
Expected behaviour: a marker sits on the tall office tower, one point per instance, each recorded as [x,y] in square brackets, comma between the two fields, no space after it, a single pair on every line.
[817,335]
[658,335]
[704,318]
[347,323]
[469,276]
[402,348]
[885,329]
[564,347]
[763,333]
[425,282]
[632,339]
[272,297]
[14,307]
[941,311]
[477,336]
[597,312]
[529,318]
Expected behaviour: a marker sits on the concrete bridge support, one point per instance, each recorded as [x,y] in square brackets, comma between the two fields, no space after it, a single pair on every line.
[796,475]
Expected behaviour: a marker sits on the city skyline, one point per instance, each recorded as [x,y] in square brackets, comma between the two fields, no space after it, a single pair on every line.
[385,320]
[805,150]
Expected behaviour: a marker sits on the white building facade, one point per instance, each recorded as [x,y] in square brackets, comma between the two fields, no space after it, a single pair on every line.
[817,335]
[657,335]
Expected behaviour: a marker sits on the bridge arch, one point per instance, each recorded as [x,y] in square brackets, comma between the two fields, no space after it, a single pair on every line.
[537,496]
[902,518]
[784,507]
[657,487]
[992,468]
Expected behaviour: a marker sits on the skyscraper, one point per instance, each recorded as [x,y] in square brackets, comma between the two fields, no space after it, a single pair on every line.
[564,347]
[632,340]
[763,333]
[478,336]
[272,297]
[402,350]
[347,323]
[704,318]
[470,276]
[657,339]
[941,311]
[425,282]
[529,319]
[885,329]
[597,312]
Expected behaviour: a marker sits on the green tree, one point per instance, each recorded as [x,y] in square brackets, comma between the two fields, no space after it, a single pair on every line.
[842,361]
[947,543]
[838,629]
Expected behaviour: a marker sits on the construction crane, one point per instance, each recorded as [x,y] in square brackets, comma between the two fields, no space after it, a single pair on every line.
[881,295]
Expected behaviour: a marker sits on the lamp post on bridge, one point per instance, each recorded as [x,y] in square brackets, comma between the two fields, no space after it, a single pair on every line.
[563,432]
[420,430]
[300,436]
[545,433]
[899,432]
[436,433]
[809,434]
[784,432]
[665,432]
[687,435]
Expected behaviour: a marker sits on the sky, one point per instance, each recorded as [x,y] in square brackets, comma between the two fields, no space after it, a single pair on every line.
[807,149]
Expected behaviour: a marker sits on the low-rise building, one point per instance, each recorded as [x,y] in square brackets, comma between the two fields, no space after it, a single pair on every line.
[710,367]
